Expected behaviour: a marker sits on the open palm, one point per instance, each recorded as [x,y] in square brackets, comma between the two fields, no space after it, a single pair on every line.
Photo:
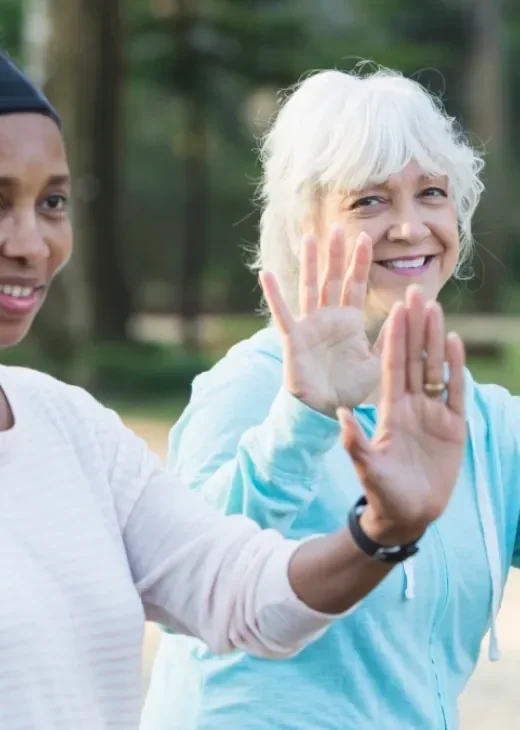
[410,467]
[328,360]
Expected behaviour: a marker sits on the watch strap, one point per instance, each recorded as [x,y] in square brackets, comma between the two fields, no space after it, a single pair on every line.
[376,551]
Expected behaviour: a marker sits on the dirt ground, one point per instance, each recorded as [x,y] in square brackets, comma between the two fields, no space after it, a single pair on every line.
[492,699]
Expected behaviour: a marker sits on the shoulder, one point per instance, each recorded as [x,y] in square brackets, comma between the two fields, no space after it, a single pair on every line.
[252,366]
[61,395]
[226,401]
[68,408]
[492,404]
[109,453]
[257,359]
[493,416]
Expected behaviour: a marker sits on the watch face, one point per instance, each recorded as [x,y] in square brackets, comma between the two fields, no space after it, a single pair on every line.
[395,553]
[387,553]
[381,553]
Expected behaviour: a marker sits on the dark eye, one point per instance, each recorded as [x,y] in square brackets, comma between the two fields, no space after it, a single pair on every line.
[367,202]
[434,193]
[55,203]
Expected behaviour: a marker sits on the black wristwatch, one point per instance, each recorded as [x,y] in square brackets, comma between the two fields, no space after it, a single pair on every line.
[381,553]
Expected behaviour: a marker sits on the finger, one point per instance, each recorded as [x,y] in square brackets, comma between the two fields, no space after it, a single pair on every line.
[280,311]
[393,359]
[356,445]
[332,283]
[435,341]
[415,309]
[355,285]
[456,359]
[352,436]
[309,290]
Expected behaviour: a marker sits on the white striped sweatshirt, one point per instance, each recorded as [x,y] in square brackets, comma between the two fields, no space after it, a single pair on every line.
[95,538]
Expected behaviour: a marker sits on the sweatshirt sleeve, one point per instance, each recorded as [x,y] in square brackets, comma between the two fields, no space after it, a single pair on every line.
[249,445]
[197,571]
[201,573]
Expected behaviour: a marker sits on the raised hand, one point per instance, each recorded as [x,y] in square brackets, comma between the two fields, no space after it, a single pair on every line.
[328,360]
[410,467]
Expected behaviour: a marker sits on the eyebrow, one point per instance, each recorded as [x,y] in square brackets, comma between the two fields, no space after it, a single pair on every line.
[422,179]
[58,180]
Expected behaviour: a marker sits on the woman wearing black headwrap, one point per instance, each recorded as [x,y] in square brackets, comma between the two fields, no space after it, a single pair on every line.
[95,536]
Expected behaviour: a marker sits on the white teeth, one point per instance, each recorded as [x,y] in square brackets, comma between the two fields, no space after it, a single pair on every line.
[406,263]
[17,292]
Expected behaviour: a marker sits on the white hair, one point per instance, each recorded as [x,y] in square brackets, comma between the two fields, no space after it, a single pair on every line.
[348,131]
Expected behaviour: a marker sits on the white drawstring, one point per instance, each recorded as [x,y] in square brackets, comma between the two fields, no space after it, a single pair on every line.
[409,579]
[487,522]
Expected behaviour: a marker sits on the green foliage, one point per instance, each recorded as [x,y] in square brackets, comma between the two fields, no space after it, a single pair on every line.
[10,26]
[216,53]
[429,41]
[125,371]
[141,371]
[233,48]
[253,40]
[29,355]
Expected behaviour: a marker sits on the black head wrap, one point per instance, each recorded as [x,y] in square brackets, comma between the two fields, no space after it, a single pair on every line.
[18,93]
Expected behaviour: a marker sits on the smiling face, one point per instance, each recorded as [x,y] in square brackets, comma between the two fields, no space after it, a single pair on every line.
[35,231]
[412,222]
[352,149]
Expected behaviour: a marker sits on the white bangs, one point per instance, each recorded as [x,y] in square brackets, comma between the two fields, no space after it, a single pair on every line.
[339,131]
[385,131]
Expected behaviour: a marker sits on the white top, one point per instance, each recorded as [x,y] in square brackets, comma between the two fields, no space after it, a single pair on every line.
[95,536]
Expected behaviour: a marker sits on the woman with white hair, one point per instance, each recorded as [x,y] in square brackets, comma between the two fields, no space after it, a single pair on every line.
[381,186]
[96,536]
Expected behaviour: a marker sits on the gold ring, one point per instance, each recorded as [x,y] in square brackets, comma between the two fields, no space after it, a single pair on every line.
[433,390]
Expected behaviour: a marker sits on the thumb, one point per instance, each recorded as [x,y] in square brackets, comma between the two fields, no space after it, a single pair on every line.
[354,439]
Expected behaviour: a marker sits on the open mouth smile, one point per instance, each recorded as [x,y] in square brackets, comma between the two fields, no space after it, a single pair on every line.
[407,266]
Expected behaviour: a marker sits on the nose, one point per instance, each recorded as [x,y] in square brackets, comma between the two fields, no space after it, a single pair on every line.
[23,240]
[408,226]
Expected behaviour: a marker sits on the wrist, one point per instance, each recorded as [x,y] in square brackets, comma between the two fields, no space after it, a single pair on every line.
[386,531]
[327,410]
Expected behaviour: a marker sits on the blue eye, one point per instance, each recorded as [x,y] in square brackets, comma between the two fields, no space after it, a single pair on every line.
[434,193]
[367,202]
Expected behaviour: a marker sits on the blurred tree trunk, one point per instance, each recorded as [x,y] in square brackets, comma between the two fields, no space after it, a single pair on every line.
[82,77]
[190,83]
[51,56]
[488,114]
[112,301]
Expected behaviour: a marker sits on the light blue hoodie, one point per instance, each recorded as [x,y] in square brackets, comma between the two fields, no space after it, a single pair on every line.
[402,658]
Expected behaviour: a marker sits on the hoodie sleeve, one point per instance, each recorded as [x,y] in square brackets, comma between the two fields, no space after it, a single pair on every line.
[500,452]
[251,446]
